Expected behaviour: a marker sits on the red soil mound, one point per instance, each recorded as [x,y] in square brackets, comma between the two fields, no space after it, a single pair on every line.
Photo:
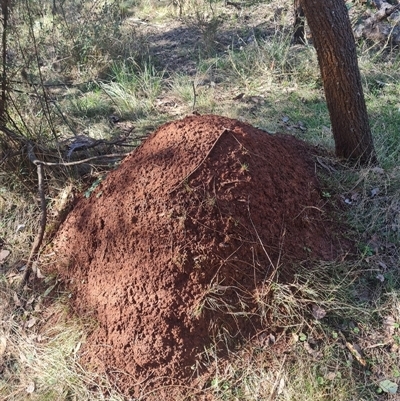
[169,250]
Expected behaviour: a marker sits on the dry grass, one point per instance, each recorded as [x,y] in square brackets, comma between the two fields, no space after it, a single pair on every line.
[39,355]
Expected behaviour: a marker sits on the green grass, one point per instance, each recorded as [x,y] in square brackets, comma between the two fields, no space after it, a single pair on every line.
[133,89]
[90,105]
[381,75]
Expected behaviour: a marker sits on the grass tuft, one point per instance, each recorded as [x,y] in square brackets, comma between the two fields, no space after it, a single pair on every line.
[40,359]
[133,89]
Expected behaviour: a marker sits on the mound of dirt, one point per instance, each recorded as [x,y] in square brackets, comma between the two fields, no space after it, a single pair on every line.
[170,251]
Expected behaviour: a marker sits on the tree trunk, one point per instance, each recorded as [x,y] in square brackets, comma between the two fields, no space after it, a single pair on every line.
[334,42]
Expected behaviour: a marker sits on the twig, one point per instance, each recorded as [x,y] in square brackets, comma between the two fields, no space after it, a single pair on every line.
[194,95]
[12,135]
[19,138]
[53,85]
[97,142]
[42,224]
[275,387]
[45,96]
[4,9]
[225,130]
[14,124]
[353,351]
[43,217]
[64,118]
[262,244]
[75,163]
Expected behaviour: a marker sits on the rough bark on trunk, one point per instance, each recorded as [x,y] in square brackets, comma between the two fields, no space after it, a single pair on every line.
[334,42]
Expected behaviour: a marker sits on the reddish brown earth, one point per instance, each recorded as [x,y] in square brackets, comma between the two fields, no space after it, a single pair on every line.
[176,242]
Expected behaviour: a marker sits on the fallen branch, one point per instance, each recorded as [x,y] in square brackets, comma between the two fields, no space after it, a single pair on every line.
[82,142]
[77,162]
[21,139]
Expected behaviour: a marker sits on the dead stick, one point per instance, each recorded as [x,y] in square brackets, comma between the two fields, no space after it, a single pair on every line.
[225,130]
[43,209]
[42,226]
[4,9]
[20,138]
[194,95]
[112,155]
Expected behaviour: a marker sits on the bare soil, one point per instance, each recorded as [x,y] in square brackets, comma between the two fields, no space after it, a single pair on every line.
[170,253]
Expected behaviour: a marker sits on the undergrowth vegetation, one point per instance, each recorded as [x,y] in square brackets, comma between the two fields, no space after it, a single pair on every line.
[90,79]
